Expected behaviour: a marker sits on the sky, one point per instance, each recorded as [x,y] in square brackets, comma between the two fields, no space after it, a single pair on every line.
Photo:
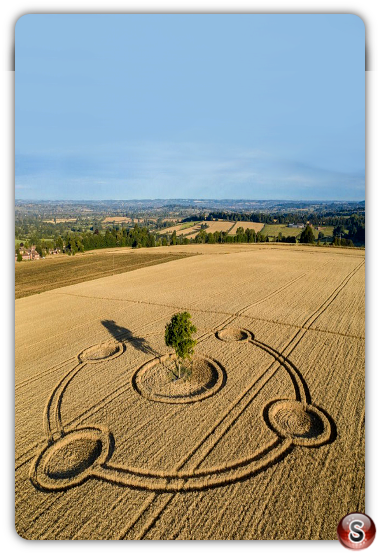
[190,106]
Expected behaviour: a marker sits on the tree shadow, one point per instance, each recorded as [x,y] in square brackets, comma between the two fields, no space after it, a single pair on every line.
[119,332]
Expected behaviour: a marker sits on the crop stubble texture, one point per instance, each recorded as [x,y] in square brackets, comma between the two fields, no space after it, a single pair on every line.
[307,305]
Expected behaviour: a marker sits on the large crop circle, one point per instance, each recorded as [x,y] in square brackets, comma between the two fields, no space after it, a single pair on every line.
[161,380]
[71,459]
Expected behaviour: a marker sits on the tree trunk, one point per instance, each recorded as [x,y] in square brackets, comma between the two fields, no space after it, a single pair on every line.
[178,365]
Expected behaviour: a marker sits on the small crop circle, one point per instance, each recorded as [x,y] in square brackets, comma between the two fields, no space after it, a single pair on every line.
[101,352]
[234,334]
[303,423]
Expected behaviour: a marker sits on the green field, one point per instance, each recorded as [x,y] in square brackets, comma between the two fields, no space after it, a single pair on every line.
[274,229]
[186,225]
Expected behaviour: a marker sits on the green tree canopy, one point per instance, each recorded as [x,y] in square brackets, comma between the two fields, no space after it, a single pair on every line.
[307,236]
[178,334]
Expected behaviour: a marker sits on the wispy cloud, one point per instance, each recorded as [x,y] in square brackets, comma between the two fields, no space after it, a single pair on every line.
[172,170]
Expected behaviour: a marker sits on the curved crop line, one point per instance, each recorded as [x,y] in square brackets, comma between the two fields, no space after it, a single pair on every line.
[182,479]
[36,377]
[291,369]
[192,474]
[283,360]
[200,395]
[301,389]
[172,482]
[47,419]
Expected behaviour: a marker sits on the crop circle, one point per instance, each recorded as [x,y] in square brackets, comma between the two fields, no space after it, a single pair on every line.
[233,334]
[71,459]
[101,352]
[160,380]
[304,424]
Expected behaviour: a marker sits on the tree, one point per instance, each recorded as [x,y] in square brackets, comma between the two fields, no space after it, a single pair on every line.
[338,230]
[19,257]
[178,334]
[307,236]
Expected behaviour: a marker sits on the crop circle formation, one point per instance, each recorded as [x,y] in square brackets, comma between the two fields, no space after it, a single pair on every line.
[70,457]
[160,380]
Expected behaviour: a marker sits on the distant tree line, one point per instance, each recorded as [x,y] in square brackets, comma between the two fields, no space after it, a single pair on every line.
[348,220]
[353,232]
[118,237]
[241,236]
[352,229]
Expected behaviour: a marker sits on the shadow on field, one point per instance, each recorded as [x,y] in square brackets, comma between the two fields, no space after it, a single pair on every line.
[121,333]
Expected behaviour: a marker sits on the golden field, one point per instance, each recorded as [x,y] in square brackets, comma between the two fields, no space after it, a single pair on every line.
[191,231]
[266,440]
[246,225]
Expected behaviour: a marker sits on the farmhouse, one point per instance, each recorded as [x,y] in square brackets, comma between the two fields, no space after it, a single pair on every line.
[28,254]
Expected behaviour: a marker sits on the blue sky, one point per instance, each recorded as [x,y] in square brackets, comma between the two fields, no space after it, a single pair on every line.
[190,106]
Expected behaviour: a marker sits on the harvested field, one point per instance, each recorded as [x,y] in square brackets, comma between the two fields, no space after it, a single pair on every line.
[60,220]
[193,230]
[51,273]
[219,226]
[116,219]
[266,434]
[247,225]
[181,229]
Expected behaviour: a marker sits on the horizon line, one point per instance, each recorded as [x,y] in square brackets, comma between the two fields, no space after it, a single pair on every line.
[188,199]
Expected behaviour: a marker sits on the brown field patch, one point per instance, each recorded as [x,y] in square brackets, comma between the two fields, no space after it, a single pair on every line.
[116,219]
[52,273]
[60,220]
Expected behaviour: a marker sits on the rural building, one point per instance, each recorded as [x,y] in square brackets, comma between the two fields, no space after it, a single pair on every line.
[29,254]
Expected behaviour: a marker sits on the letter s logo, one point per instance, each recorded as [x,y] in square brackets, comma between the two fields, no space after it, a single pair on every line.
[356,534]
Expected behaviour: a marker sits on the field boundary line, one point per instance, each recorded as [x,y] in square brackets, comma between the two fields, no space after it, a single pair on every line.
[315,315]
[137,517]
[330,298]
[252,392]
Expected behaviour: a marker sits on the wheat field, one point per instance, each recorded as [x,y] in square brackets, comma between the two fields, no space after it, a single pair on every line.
[246,225]
[266,440]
